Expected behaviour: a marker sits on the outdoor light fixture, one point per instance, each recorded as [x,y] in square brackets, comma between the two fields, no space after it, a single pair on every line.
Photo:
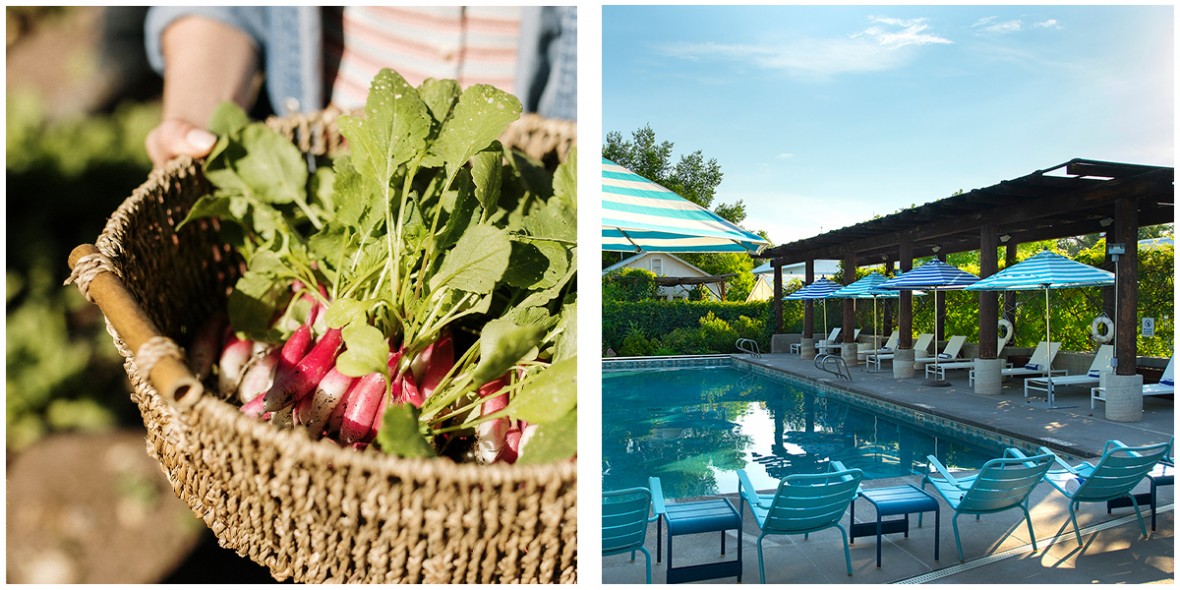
[935,249]
[1116,250]
[1004,238]
[1105,222]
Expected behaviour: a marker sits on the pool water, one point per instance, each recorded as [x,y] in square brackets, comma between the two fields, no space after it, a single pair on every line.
[695,427]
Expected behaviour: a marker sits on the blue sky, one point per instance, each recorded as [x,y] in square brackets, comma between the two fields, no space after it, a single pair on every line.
[824,116]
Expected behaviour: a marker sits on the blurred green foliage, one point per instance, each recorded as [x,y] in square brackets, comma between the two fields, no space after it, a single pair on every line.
[64,178]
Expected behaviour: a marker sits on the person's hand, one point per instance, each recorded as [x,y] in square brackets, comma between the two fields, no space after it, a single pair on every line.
[175,137]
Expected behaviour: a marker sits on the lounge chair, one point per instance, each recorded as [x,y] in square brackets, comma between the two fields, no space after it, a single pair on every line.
[1001,484]
[802,504]
[624,522]
[1120,469]
[938,371]
[1166,386]
[949,352]
[1041,359]
[826,346]
[922,344]
[797,348]
[1101,361]
[889,346]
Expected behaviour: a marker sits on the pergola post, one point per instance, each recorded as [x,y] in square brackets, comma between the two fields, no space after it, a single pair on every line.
[777,264]
[1010,296]
[1126,224]
[988,368]
[1124,389]
[940,311]
[807,343]
[849,348]
[887,305]
[988,305]
[903,357]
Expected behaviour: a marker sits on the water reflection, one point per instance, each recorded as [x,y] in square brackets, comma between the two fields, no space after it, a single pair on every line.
[694,428]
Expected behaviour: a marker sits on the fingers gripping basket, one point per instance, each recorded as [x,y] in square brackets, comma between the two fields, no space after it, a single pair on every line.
[308,510]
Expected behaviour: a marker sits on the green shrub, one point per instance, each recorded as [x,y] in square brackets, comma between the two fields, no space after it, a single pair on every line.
[716,334]
[636,344]
[630,284]
[684,341]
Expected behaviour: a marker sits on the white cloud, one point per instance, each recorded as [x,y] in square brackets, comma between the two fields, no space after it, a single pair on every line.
[989,24]
[886,44]
[893,33]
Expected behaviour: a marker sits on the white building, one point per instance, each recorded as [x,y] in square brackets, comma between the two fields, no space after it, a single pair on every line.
[667,265]
[823,268]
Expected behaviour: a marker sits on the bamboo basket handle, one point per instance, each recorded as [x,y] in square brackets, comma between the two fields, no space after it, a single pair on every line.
[166,372]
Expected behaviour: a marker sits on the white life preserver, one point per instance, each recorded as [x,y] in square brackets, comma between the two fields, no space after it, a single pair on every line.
[1099,337]
[1005,329]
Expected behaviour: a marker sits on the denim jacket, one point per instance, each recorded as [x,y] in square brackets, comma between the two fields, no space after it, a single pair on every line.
[290,42]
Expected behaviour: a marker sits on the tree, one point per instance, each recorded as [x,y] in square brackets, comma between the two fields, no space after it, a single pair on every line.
[693,177]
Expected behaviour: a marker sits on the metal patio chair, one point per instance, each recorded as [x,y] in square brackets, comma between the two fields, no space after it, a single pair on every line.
[1001,484]
[1116,474]
[802,504]
[624,522]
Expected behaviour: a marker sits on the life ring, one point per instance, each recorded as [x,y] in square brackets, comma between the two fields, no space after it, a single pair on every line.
[1005,329]
[1100,337]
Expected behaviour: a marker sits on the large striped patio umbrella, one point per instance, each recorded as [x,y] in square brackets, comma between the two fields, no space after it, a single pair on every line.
[821,289]
[1045,270]
[639,215]
[867,287]
[936,276]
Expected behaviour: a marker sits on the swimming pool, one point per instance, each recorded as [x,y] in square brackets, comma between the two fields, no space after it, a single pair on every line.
[695,427]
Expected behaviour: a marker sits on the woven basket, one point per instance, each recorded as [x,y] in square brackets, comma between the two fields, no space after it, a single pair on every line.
[309,510]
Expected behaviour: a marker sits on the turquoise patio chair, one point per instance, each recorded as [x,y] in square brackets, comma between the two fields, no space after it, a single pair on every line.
[1001,484]
[802,504]
[624,522]
[1120,469]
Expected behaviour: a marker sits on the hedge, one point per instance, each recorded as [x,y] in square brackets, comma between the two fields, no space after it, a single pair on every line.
[657,319]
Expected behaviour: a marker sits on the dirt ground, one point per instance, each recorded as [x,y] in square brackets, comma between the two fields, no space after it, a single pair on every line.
[95,508]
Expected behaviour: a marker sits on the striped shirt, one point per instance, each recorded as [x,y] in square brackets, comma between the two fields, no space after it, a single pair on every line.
[471,45]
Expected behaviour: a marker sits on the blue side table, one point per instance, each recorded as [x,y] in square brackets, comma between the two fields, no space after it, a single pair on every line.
[893,501]
[689,518]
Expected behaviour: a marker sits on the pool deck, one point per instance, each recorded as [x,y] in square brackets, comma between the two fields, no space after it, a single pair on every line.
[997,547]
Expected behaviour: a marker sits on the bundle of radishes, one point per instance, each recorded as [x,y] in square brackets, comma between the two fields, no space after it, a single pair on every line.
[416,296]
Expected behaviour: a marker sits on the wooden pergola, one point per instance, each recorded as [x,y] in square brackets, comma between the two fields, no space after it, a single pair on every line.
[1075,198]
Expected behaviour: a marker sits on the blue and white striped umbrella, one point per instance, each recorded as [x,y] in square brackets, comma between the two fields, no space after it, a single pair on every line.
[639,215]
[822,289]
[1045,270]
[867,287]
[935,275]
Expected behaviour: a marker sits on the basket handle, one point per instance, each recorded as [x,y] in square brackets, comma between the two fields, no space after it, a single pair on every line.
[168,374]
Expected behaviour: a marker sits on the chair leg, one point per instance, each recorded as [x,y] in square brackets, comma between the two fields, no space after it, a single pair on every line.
[1028,519]
[761,570]
[847,553]
[1138,514]
[1073,518]
[955,526]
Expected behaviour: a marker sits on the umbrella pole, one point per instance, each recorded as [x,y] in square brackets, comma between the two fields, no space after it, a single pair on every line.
[1048,365]
[936,382]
